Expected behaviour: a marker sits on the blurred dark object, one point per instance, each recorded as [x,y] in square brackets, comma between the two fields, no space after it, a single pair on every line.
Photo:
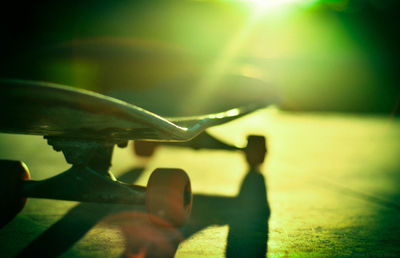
[255,150]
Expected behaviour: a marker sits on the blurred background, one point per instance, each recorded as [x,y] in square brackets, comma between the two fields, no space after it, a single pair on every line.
[332,177]
[336,55]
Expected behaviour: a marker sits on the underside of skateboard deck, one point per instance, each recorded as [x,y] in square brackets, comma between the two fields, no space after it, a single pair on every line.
[85,127]
[39,108]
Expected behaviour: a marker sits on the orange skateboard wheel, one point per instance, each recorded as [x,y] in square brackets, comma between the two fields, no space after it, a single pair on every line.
[169,197]
[13,173]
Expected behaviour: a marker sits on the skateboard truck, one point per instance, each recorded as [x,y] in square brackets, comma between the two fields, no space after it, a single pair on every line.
[255,150]
[167,196]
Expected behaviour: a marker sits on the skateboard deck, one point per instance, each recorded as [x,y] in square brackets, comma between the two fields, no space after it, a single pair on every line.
[40,108]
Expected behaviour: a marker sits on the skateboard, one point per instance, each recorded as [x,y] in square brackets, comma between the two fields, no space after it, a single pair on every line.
[85,126]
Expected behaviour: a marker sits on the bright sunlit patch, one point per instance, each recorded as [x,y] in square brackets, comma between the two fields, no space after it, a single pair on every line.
[233,112]
[262,6]
[266,4]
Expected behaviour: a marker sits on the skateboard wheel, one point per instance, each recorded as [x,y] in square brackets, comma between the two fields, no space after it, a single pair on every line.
[169,197]
[144,149]
[255,150]
[11,201]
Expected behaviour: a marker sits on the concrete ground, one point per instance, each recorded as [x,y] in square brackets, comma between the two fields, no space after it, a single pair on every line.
[329,187]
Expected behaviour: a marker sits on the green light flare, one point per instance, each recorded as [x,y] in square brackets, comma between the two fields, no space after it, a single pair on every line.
[313,55]
[222,64]
[265,5]
[302,47]
[305,51]
[281,6]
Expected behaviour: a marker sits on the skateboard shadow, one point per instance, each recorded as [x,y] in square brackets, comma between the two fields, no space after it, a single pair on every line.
[74,225]
[247,216]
